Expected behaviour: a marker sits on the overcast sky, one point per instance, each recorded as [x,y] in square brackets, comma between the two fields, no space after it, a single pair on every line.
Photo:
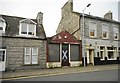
[52,10]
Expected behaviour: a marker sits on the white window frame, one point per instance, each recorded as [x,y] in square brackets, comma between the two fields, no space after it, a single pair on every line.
[20,31]
[28,22]
[3,25]
[116,31]
[102,50]
[4,55]
[31,54]
[93,28]
[113,54]
[104,25]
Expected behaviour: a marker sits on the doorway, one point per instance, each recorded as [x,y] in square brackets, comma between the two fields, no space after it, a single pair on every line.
[65,55]
[90,56]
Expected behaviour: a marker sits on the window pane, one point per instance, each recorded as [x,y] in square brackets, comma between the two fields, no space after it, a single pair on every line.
[28,51]
[23,28]
[74,53]
[1,28]
[34,51]
[101,55]
[34,59]
[116,35]
[31,29]
[34,55]
[2,55]
[92,33]
[54,53]
[27,59]
[104,34]
[110,55]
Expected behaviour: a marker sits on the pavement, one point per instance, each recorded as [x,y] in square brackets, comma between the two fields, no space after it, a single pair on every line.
[30,73]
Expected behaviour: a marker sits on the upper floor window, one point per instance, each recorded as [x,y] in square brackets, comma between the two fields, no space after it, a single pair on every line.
[27,28]
[92,29]
[116,32]
[105,31]
[2,25]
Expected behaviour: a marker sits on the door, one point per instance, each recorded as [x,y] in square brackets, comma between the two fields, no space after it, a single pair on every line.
[65,55]
[90,56]
[91,53]
[2,59]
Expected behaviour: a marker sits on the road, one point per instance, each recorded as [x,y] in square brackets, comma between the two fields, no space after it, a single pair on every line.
[109,75]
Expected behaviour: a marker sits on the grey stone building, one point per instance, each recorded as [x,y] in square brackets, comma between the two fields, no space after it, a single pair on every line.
[102,35]
[23,43]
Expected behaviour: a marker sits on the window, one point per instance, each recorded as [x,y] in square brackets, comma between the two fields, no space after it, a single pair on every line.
[119,52]
[102,51]
[2,25]
[111,52]
[2,55]
[27,27]
[105,31]
[92,29]
[115,29]
[31,55]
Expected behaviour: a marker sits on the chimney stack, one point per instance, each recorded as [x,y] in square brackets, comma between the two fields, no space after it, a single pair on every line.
[70,1]
[108,15]
[40,18]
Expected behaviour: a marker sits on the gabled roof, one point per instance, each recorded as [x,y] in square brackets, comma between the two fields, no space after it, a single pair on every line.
[12,26]
[27,21]
[63,37]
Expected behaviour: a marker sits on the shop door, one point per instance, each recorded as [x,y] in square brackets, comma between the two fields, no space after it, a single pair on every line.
[65,55]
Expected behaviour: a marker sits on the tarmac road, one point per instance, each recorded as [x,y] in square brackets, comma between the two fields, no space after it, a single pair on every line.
[105,75]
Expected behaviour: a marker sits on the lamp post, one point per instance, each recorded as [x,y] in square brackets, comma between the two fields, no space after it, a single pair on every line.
[83,40]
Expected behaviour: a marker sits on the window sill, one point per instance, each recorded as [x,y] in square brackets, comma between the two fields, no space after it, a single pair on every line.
[105,38]
[30,64]
[92,37]
[27,36]
[112,59]
[102,59]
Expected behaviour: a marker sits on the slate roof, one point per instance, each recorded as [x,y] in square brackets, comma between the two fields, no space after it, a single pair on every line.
[12,26]
[96,17]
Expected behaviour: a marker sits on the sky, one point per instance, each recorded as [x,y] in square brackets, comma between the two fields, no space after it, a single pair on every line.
[51,10]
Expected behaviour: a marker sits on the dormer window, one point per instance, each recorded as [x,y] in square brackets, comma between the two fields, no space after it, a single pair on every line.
[27,28]
[2,25]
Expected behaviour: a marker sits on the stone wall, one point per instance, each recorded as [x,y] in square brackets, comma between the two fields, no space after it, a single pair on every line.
[15,52]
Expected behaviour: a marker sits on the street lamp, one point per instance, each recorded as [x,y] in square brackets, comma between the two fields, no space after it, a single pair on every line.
[83,40]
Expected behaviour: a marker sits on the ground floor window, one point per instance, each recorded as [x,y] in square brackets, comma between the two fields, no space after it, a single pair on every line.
[112,52]
[119,52]
[75,52]
[110,55]
[54,53]
[102,52]
[2,55]
[31,55]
